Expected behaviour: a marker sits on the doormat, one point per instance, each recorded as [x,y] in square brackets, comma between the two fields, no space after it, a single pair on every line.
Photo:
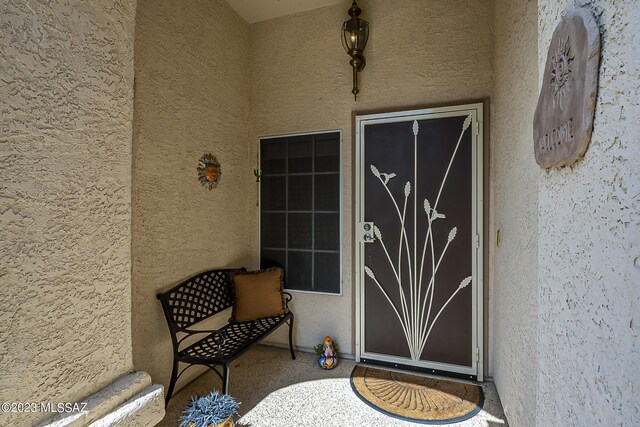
[417,399]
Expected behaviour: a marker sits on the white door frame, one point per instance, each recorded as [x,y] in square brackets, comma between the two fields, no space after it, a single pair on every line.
[476,111]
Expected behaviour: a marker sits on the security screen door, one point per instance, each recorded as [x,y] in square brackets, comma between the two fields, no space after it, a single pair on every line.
[418,239]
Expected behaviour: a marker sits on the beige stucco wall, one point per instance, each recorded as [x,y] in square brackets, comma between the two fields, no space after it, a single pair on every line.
[589,243]
[419,52]
[513,268]
[191,98]
[66,105]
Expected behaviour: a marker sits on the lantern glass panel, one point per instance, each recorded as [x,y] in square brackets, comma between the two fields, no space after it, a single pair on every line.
[355,34]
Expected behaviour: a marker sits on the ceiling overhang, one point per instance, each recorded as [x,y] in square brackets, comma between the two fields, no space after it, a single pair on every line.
[254,11]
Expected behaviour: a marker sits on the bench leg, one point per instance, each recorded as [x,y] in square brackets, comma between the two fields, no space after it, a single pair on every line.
[225,378]
[172,383]
[293,355]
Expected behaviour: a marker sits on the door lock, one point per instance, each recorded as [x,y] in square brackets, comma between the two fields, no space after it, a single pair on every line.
[367,232]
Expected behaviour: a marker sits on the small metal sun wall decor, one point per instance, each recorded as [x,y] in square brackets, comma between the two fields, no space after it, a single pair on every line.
[209,171]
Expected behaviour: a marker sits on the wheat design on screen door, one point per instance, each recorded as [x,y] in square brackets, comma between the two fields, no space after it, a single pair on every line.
[414,312]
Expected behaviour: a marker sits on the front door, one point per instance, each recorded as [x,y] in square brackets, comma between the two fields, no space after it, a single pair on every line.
[418,239]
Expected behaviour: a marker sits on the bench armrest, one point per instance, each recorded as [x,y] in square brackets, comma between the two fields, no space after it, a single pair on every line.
[287,297]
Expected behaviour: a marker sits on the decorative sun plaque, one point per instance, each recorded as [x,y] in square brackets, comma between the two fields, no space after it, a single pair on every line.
[209,171]
[564,116]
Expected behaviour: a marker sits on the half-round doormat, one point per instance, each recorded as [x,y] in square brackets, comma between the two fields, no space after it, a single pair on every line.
[417,399]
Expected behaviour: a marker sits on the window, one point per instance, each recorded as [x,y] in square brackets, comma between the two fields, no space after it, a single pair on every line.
[300,210]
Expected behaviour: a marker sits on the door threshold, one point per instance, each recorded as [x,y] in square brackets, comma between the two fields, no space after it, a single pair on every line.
[427,371]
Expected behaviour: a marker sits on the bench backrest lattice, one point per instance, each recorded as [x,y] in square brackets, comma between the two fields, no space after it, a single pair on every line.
[199,297]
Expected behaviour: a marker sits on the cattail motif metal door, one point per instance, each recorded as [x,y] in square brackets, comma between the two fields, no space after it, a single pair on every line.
[418,239]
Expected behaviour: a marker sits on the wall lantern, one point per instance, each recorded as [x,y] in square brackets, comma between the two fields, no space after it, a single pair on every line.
[355,33]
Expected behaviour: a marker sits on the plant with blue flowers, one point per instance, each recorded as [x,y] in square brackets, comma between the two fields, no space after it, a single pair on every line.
[209,410]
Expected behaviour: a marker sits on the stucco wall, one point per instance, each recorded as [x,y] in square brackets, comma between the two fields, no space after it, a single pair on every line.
[589,243]
[419,52]
[513,300]
[66,105]
[191,98]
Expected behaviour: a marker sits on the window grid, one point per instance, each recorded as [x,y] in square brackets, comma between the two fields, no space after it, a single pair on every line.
[313,287]
[287,215]
[313,215]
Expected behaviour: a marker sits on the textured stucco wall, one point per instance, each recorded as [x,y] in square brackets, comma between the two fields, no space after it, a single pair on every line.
[191,98]
[589,243]
[66,106]
[419,52]
[514,210]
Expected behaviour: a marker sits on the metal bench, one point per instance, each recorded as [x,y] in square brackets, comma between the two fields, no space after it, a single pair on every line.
[197,299]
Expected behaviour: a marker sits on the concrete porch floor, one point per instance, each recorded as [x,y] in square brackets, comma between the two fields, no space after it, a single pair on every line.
[276,391]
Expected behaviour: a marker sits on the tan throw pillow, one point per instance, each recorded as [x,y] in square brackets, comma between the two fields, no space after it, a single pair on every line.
[257,294]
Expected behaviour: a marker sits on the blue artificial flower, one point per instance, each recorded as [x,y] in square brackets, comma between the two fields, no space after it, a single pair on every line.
[209,410]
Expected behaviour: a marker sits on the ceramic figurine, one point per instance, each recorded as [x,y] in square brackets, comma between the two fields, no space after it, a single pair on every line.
[328,357]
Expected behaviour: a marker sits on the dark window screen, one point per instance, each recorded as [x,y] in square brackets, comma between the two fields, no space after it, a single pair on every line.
[300,209]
